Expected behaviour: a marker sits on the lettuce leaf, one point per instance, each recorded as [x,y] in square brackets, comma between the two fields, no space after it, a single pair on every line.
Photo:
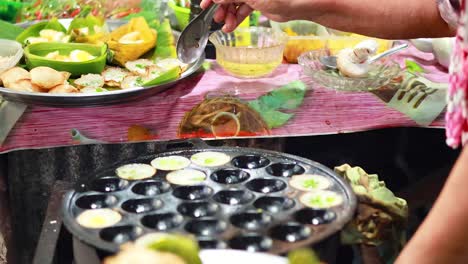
[9,31]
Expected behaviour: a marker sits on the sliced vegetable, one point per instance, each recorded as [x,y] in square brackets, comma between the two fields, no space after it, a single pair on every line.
[36,56]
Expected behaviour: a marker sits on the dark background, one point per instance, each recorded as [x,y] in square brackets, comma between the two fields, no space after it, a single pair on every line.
[413,162]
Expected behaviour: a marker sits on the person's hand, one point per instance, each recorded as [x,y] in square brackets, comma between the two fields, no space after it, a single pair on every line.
[233,12]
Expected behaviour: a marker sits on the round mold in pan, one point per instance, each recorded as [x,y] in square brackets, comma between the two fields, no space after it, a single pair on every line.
[142,205]
[233,197]
[162,221]
[250,161]
[108,184]
[151,187]
[251,242]
[120,234]
[96,201]
[290,232]
[251,220]
[274,204]
[266,186]
[229,176]
[198,209]
[228,199]
[193,192]
[283,169]
[206,227]
[211,243]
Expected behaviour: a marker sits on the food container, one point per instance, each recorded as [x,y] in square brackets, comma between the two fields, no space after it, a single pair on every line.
[307,36]
[247,202]
[11,53]
[302,36]
[381,73]
[35,57]
[249,52]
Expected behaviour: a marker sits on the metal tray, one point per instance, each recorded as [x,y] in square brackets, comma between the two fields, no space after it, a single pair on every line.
[224,225]
[60,100]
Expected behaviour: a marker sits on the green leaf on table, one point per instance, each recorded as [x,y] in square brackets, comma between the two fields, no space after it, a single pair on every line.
[413,66]
[9,31]
[288,97]
[274,118]
[165,44]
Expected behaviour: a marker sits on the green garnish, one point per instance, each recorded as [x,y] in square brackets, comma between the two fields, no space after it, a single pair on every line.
[197,179]
[140,66]
[312,184]
[210,160]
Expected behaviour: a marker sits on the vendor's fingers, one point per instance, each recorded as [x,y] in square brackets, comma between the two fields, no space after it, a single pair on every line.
[243,11]
[220,14]
[204,4]
[230,22]
[225,2]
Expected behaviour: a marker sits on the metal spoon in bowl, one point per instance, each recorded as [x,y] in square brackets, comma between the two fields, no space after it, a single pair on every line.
[193,40]
[330,61]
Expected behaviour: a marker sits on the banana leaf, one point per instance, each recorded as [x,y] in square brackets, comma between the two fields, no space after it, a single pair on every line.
[33,31]
[165,77]
[90,22]
[35,57]
[9,31]
[132,51]
[85,22]
[165,45]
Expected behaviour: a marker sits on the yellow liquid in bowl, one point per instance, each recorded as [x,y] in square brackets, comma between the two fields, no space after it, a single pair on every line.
[247,62]
[249,70]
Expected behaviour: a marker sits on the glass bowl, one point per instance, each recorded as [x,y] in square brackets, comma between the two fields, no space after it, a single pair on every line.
[382,72]
[249,52]
[11,53]
[302,36]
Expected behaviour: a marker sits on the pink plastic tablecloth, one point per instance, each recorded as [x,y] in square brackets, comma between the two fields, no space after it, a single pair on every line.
[323,111]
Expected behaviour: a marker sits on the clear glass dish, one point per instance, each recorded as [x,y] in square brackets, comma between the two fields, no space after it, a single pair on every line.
[382,72]
[249,52]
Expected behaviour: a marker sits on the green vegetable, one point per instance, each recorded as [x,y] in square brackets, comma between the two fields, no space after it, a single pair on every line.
[288,97]
[165,77]
[33,31]
[9,31]
[310,184]
[165,44]
[35,57]
[182,246]
[303,256]
[413,66]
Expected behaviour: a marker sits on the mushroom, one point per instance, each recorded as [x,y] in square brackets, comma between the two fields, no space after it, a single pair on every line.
[355,62]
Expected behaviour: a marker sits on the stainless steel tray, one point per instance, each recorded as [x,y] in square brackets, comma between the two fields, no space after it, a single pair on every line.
[75,100]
